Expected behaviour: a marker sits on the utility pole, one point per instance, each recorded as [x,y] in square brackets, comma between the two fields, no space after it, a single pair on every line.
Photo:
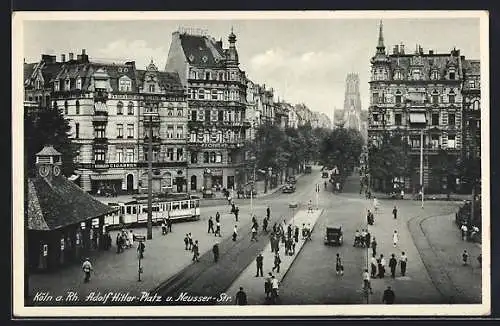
[422,165]
[150,179]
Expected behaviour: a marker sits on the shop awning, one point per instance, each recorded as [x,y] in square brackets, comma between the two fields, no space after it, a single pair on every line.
[74,177]
[418,118]
[106,177]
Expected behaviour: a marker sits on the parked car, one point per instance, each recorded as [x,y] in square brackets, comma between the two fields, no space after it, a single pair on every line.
[324,174]
[288,188]
[208,193]
[334,235]
[292,179]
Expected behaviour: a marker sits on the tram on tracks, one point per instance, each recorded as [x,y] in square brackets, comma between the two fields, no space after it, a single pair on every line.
[177,207]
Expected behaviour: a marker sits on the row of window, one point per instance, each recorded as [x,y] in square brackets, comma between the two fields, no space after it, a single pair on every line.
[68,84]
[220,115]
[398,98]
[127,155]
[208,157]
[215,94]
[213,75]
[435,142]
[434,119]
[216,136]
[119,109]
[415,74]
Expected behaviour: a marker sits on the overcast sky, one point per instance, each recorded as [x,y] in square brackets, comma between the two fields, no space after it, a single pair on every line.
[305,61]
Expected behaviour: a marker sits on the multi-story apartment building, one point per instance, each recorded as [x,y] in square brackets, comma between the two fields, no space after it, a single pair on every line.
[105,105]
[217,92]
[411,91]
[281,114]
[293,118]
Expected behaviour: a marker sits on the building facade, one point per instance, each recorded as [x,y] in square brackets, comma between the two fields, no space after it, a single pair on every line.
[105,105]
[217,93]
[425,89]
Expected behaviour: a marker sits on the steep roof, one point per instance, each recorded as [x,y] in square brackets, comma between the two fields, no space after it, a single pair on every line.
[472,67]
[169,81]
[437,62]
[202,51]
[28,70]
[58,202]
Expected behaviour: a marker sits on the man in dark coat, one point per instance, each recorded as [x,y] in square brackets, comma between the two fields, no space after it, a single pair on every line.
[236,213]
[268,212]
[260,264]
[215,250]
[389,296]
[395,212]
[169,224]
[217,217]
[393,263]
[211,225]
[277,262]
[241,297]
[264,225]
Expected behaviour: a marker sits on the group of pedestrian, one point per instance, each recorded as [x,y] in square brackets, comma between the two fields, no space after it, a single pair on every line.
[217,231]
[124,240]
[362,239]
[378,265]
[192,246]
[166,225]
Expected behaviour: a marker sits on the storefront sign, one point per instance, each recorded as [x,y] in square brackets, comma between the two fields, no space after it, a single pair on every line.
[45,250]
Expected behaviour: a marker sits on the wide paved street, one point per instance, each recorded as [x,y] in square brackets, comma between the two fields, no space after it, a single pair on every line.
[434,274]
[428,236]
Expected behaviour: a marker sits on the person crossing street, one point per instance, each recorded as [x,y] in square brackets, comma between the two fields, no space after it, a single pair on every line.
[210,225]
[402,263]
[260,263]
[87,268]
[393,263]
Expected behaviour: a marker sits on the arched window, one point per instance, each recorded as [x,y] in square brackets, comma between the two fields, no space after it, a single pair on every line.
[77,105]
[119,107]
[65,107]
[475,105]
[130,109]
[398,98]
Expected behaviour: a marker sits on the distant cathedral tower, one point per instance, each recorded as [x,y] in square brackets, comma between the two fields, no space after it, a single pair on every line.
[352,102]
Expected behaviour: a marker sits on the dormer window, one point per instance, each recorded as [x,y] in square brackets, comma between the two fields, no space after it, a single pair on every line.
[125,84]
[151,88]
[434,75]
[67,85]
[56,86]
[38,84]
[398,75]
[78,83]
[452,75]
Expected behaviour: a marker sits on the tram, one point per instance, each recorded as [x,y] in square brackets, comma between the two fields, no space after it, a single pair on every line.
[177,207]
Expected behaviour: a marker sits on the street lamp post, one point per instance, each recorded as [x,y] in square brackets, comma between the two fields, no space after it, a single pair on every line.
[150,174]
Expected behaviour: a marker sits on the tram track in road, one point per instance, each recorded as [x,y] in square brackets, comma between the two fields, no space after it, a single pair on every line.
[437,273]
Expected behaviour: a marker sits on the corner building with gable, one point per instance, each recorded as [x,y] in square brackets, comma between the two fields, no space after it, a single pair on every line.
[437,90]
[217,124]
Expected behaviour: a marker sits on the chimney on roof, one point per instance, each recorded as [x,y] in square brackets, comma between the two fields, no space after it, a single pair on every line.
[420,50]
[431,52]
[401,48]
[70,56]
[395,50]
[83,52]
[63,57]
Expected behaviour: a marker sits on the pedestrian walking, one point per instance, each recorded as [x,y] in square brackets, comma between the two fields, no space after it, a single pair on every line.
[233,208]
[465,257]
[277,262]
[268,212]
[268,285]
[235,232]
[309,206]
[87,268]
[389,296]
[464,232]
[254,234]
[339,268]
[362,238]
[375,204]
[367,239]
[381,266]
[402,263]
[366,282]
[217,217]
[132,238]
[140,249]
[296,235]
[275,227]
[260,263]
[274,289]
[215,250]
[196,251]
[217,230]
[373,265]
[395,212]
[210,225]
[241,297]
[374,247]
[289,231]
[264,224]
[393,263]
[395,238]
[169,224]
[119,247]
[163,227]
[236,213]
[190,239]
[186,242]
